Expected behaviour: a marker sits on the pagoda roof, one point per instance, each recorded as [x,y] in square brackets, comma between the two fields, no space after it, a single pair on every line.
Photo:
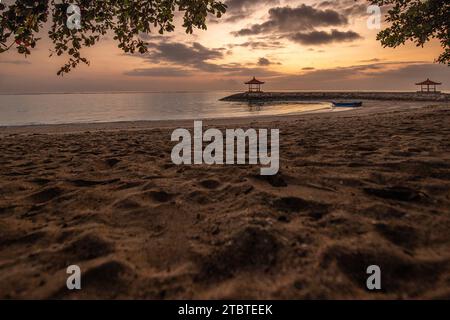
[254,81]
[428,82]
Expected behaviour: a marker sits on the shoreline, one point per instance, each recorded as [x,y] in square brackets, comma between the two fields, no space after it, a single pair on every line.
[331,95]
[369,107]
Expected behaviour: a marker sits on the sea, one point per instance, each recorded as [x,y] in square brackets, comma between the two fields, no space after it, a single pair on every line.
[42,109]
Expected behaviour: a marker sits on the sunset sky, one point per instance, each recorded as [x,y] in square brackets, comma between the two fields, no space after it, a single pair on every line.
[297,45]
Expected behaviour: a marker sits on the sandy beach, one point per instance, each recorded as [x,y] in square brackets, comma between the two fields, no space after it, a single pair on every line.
[355,188]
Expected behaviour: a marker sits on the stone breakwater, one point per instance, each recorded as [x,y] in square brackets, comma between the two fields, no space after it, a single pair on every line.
[329,96]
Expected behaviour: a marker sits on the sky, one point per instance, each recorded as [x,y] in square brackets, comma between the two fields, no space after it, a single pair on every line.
[289,44]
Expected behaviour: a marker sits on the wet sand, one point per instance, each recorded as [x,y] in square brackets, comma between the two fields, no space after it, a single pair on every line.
[355,188]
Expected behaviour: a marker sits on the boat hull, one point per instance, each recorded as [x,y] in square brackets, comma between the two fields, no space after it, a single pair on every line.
[347,104]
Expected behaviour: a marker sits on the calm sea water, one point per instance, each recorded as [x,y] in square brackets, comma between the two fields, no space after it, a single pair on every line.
[107,107]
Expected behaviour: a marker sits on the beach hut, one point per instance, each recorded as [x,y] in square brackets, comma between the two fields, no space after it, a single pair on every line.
[425,86]
[254,85]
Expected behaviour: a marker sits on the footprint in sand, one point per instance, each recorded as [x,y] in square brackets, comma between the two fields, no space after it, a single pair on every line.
[112,162]
[313,209]
[400,272]
[40,181]
[46,195]
[276,181]
[399,234]
[87,247]
[383,212]
[210,184]
[107,275]
[396,193]
[249,249]
[27,239]
[160,196]
[90,183]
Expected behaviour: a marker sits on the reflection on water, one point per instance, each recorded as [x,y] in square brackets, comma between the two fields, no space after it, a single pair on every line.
[283,108]
[81,108]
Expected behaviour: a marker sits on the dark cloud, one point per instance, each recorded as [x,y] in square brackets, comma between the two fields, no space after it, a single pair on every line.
[259,45]
[242,9]
[180,52]
[195,55]
[323,37]
[350,8]
[266,62]
[181,59]
[245,5]
[287,19]
[283,22]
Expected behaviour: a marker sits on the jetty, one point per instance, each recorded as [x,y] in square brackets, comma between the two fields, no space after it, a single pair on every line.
[330,96]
